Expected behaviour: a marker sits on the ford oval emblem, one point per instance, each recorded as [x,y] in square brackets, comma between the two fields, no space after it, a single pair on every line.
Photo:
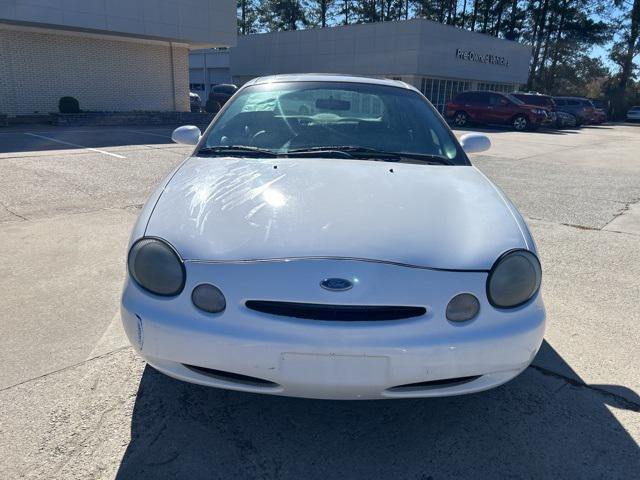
[336,284]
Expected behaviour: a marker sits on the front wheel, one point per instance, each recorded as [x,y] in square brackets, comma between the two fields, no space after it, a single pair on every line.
[520,123]
[461,119]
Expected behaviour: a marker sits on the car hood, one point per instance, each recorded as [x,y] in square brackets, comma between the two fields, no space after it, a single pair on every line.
[235,209]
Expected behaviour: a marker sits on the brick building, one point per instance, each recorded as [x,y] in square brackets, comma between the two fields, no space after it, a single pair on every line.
[109,54]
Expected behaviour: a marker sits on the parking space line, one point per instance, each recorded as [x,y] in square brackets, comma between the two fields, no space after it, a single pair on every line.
[75,145]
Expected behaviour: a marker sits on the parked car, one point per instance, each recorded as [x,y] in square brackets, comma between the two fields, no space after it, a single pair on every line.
[338,255]
[219,95]
[195,102]
[544,101]
[599,117]
[601,104]
[633,115]
[494,108]
[565,120]
[581,108]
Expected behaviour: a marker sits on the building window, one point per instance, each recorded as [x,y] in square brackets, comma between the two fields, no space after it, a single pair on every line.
[496,87]
[440,91]
[196,87]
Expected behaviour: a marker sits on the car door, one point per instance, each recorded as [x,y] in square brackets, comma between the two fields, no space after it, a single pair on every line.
[476,106]
[500,109]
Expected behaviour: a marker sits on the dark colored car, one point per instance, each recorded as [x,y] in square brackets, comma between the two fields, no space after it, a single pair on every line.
[565,120]
[601,104]
[219,95]
[599,116]
[494,108]
[544,101]
[579,107]
[195,102]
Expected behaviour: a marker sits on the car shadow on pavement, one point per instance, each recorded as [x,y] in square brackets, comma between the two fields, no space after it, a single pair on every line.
[539,425]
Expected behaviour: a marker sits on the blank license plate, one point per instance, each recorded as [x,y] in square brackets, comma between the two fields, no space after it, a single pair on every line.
[334,369]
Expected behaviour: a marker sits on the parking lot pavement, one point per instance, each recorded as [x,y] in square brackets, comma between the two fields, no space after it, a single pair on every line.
[75,402]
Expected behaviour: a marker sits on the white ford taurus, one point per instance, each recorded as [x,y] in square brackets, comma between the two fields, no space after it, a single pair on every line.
[329,238]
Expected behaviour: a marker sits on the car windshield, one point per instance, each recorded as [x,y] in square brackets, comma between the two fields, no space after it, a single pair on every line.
[515,100]
[341,119]
[539,100]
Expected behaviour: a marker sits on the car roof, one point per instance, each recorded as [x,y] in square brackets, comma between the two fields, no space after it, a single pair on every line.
[328,77]
[531,94]
[572,98]
[482,91]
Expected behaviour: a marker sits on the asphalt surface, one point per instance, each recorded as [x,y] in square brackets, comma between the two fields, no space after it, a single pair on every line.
[75,402]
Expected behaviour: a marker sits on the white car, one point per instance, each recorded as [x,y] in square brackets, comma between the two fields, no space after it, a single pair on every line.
[633,114]
[335,255]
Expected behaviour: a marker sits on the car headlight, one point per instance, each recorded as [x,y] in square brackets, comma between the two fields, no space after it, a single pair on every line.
[514,279]
[156,267]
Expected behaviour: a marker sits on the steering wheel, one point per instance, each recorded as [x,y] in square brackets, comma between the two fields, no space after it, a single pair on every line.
[256,137]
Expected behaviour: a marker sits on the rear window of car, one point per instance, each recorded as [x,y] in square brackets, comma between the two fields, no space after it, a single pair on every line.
[472,97]
[228,89]
[463,97]
[481,98]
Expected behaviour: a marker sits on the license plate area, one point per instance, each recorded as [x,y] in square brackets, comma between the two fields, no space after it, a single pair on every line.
[330,369]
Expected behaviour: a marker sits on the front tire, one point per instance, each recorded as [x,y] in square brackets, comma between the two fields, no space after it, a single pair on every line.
[461,119]
[520,123]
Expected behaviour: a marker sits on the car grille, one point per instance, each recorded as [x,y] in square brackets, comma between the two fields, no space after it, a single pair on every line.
[341,313]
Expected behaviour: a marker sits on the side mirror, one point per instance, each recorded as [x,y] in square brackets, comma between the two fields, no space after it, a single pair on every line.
[186,135]
[475,142]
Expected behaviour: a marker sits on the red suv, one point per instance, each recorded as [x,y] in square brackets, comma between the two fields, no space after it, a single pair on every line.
[494,107]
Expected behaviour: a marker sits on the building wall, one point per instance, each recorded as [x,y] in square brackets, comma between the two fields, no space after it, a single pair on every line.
[103,73]
[196,22]
[437,56]
[413,47]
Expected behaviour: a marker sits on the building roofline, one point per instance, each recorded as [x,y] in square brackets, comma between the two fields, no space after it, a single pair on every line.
[20,25]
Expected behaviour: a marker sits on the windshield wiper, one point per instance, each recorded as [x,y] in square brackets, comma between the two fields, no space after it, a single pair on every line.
[246,150]
[355,151]
[351,151]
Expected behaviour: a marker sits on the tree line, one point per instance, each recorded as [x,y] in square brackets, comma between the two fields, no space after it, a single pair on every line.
[561,34]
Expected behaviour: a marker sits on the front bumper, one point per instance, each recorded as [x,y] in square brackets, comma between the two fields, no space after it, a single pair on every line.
[550,119]
[333,359]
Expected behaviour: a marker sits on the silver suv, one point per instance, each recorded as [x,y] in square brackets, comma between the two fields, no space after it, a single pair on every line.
[579,107]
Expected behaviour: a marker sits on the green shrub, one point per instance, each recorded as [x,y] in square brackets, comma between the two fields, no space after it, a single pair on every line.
[68,105]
